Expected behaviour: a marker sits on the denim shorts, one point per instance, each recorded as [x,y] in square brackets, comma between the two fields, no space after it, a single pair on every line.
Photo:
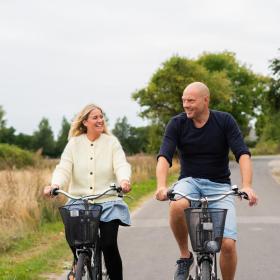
[203,187]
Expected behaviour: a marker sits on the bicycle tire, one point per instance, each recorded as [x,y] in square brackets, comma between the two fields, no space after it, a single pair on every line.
[205,269]
[97,262]
[105,275]
[83,269]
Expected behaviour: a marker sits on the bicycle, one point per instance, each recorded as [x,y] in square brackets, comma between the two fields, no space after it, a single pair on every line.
[206,227]
[81,222]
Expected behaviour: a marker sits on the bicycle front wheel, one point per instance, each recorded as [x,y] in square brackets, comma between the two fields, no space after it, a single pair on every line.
[83,269]
[205,270]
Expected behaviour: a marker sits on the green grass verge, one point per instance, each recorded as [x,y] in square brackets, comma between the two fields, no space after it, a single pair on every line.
[36,253]
[45,250]
[142,190]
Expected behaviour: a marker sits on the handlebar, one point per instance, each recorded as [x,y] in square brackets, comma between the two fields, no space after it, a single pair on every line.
[113,187]
[216,197]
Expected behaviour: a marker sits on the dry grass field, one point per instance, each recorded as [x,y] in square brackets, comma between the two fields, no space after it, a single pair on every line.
[22,207]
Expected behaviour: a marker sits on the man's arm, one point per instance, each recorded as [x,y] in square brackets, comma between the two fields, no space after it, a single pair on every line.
[246,175]
[161,173]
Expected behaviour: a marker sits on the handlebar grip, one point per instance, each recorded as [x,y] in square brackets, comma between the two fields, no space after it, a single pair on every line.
[118,189]
[171,194]
[113,187]
[244,195]
[54,192]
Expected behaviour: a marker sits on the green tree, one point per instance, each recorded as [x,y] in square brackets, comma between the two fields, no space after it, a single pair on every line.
[248,88]
[7,134]
[139,139]
[274,93]
[43,138]
[162,98]
[2,119]
[24,141]
[269,123]
[132,139]
[62,137]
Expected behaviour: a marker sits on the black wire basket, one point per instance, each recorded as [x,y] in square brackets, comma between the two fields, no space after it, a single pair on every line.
[81,224]
[206,228]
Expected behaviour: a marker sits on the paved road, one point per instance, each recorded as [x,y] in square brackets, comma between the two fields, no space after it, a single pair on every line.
[149,250]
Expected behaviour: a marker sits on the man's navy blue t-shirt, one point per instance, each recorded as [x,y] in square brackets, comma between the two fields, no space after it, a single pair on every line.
[203,152]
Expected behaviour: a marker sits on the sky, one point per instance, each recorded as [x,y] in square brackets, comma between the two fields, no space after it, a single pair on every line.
[56,56]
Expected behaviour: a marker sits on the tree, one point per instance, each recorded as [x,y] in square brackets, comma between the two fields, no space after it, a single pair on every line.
[274,93]
[2,119]
[269,122]
[43,138]
[24,141]
[132,139]
[7,134]
[248,88]
[162,98]
[234,88]
[62,137]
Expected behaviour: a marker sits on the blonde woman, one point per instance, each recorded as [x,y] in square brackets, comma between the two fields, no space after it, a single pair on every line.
[90,162]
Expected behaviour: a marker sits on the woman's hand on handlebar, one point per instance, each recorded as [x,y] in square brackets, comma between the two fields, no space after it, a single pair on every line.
[125,185]
[48,190]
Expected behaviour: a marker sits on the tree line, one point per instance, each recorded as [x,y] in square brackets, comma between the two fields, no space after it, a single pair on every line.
[235,88]
[41,141]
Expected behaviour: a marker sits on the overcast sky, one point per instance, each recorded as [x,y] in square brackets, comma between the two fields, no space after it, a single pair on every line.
[56,56]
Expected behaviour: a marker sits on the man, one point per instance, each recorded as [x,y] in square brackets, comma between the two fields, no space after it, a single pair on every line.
[203,138]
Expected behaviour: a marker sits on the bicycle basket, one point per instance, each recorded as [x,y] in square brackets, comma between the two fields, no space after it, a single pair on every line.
[205,225]
[81,226]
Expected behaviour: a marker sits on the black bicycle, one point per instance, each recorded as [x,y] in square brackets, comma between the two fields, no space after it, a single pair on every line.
[81,222]
[206,228]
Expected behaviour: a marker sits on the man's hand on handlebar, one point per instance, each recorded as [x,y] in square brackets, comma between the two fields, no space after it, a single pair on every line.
[252,197]
[161,194]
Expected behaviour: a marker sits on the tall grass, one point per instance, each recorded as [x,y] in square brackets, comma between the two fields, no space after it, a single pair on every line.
[22,206]
[144,167]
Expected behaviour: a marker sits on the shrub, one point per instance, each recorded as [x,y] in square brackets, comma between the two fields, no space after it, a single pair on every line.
[268,147]
[12,156]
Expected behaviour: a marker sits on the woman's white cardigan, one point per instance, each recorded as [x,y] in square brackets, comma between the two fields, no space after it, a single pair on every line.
[89,167]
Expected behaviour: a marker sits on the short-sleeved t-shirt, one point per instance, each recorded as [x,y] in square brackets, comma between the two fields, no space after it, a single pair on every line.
[203,152]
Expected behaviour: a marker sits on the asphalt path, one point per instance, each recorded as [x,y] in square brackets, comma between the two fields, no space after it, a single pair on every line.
[149,250]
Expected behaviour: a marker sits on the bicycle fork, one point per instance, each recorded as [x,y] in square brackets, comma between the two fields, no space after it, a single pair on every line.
[211,259]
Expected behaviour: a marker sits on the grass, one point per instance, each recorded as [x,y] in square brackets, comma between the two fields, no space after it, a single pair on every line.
[34,254]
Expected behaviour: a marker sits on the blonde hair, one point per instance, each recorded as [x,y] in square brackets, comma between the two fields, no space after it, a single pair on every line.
[77,127]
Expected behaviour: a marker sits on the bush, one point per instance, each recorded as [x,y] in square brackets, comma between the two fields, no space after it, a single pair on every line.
[12,156]
[268,147]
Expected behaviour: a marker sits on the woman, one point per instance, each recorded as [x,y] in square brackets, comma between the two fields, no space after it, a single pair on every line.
[90,162]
